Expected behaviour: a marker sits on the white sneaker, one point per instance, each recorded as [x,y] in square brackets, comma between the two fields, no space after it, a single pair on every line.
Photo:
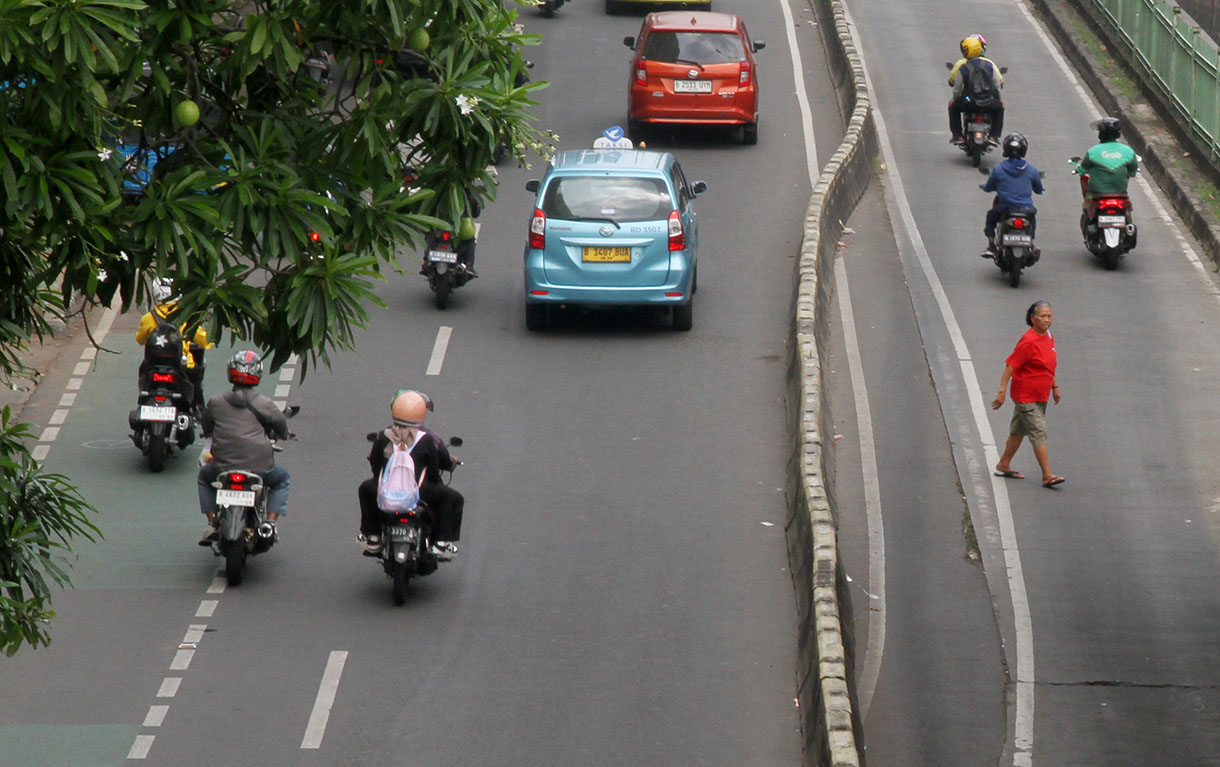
[371,543]
[444,550]
[209,536]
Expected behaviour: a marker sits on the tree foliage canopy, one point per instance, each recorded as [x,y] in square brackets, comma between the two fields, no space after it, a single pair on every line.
[107,177]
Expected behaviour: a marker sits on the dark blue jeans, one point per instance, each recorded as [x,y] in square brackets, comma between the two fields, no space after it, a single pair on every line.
[276,480]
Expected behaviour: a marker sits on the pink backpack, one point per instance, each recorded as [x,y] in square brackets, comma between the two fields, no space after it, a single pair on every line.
[397,489]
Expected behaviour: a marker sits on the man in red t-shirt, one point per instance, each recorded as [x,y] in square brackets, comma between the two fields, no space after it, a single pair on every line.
[1031,368]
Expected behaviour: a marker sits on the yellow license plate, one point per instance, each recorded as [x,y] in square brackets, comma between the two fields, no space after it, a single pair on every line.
[604,255]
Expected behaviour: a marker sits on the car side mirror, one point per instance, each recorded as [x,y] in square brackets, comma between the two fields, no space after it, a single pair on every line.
[759,45]
[698,188]
[533,185]
[629,41]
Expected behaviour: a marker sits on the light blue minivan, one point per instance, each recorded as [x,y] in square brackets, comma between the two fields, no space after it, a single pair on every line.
[612,227]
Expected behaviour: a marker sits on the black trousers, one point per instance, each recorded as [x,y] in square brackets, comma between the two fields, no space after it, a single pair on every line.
[446,505]
[955,117]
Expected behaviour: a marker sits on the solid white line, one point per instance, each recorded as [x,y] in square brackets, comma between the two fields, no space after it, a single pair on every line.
[439,349]
[802,97]
[1023,726]
[155,716]
[866,685]
[103,327]
[182,660]
[169,687]
[326,698]
[139,749]
[206,608]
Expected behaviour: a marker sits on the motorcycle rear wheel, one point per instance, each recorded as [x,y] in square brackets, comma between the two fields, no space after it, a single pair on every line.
[399,576]
[1109,257]
[443,287]
[1014,271]
[157,448]
[235,561]
[976,156]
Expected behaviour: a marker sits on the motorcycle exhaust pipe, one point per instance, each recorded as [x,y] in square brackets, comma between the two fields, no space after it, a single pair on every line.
[184,422]
[266,530]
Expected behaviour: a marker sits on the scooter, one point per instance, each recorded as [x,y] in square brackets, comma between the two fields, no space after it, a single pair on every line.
[1105,222]
[162,418]
[406,549]
[976,128]
[548,7]
[1015,249]
[448,263]
[242,527]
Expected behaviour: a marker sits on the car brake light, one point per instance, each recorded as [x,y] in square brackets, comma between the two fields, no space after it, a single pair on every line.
[538,230]
[1018,223]
[744,76]
[641,76]
[677,237]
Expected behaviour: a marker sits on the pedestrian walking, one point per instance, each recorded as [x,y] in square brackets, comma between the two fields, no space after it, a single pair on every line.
[1031,368]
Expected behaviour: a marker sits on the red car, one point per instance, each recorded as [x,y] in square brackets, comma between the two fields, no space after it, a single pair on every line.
[693,67]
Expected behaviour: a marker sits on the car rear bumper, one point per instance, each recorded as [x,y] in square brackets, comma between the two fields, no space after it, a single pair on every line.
[676,290]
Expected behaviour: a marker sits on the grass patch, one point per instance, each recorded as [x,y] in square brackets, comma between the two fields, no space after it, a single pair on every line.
[1113,69]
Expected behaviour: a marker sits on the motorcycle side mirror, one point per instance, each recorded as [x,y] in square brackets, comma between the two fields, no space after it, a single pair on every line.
[371,436]
[1073,160]
[984,171]
[1042,174]
[948,65]
[291,410]
[1003,70]
[698,188]
[529,64]
[629,41]
[533,185]
[455,441]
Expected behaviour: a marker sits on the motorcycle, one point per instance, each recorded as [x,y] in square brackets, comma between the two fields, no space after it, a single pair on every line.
[242,527]
[976,127]
[162,419]
[448,263]
[548,7]
[1015,249]
[1105,223]
[406,548]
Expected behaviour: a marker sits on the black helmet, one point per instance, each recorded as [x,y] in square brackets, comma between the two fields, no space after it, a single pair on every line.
[245,368]
[1109,129]
[1014,145]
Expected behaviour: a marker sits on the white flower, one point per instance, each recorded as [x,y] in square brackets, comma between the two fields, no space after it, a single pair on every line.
[465,105]
[104,155]
[102,275]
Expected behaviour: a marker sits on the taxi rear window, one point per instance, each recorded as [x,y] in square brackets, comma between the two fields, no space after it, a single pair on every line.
[694,47]
[601,197]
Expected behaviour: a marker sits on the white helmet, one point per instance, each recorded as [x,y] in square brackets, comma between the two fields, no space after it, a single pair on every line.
[162,290]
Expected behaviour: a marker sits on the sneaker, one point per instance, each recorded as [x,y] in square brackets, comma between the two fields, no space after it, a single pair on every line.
[993,140]
[988,253]
[209,536]
[444,550]
[957,141]
[371,543]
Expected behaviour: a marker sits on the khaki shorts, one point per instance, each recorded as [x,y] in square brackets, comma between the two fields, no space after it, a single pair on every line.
[1029,420]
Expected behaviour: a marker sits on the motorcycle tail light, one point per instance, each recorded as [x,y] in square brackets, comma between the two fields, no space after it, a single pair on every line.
[163,377]
[1110,203]
[1018,223]
[538,230]
[237,479]
[743,77]
[446,236]
[159,397]
[677,237]
[314,237]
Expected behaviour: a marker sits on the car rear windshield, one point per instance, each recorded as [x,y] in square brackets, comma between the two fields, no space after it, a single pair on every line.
[694,47]
[618,198]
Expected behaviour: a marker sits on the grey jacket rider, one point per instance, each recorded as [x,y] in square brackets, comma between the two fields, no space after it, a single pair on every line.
[238,422]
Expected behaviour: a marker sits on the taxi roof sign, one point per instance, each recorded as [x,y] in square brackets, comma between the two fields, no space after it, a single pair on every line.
[613,138]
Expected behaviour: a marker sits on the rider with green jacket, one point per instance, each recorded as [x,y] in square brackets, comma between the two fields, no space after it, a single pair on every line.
[1109,165]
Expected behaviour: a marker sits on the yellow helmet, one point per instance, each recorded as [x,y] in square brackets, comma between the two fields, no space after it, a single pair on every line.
[971,47]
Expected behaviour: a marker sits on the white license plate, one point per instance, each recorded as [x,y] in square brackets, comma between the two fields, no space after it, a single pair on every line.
[234,497]
[692,86]
[158,413]
[1111,220]
[1017,239]
[443,256]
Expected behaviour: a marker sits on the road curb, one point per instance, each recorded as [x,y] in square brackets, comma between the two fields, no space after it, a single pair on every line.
[829,717]
[1143,126]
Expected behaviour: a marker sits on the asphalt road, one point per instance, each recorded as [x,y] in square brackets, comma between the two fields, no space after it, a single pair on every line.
[1105,590]
[621,595]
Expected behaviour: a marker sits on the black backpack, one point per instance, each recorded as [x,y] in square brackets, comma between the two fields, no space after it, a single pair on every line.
[977,85]
[164,344]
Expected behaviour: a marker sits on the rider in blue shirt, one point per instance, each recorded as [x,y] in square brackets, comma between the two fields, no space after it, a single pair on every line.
[1014,182]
